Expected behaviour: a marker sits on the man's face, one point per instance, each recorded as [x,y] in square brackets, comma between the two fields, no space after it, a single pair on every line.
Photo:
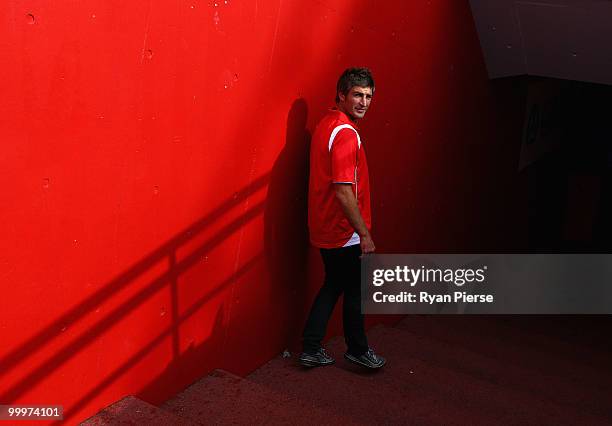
[356,102]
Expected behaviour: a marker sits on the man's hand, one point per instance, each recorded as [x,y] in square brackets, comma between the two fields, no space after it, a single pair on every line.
[350,207]
[367,245]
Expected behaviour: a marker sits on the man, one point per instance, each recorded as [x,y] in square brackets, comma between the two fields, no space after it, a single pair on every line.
[339,220]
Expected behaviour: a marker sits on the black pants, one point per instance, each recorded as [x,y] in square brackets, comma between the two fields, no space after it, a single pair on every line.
[342,274]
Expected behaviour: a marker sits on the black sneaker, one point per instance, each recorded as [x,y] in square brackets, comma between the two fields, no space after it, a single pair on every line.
[368,359]
[321,358]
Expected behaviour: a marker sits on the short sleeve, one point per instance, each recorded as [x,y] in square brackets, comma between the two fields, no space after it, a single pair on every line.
[344,156]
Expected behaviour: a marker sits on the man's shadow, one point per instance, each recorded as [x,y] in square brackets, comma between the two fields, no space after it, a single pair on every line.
[286,227]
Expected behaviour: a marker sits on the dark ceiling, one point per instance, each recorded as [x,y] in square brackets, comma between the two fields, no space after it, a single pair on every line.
[568,39]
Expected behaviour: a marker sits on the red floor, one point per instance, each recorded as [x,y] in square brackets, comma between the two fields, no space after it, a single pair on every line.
[441,370]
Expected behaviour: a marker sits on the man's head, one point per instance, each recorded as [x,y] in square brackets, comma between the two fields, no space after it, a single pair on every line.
[354,92]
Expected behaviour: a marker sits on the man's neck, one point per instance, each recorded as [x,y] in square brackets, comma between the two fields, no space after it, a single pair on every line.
[350,117]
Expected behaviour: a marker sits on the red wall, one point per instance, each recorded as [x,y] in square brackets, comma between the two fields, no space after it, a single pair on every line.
[154,162]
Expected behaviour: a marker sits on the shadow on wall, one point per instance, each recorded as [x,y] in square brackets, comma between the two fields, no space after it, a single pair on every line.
[286,225]
[181,369]
[285,248]
[286,251]
[45,337]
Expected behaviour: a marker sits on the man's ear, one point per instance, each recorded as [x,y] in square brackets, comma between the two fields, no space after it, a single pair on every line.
[341,96]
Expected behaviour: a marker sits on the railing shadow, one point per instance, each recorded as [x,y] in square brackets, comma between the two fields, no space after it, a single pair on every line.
[171,372]
[168,250]
[285,247]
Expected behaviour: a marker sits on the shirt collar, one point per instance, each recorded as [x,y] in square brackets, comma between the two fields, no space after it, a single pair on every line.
[344,118]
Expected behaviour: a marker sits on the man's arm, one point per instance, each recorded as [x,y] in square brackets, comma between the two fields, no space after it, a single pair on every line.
[348,202]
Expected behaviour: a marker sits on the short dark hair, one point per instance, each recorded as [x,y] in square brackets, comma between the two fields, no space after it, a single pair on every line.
[351,77]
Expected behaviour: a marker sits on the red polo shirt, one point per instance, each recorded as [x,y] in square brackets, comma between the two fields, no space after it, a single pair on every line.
[336,156]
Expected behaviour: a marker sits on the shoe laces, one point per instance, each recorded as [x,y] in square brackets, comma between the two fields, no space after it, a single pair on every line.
[370,354]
